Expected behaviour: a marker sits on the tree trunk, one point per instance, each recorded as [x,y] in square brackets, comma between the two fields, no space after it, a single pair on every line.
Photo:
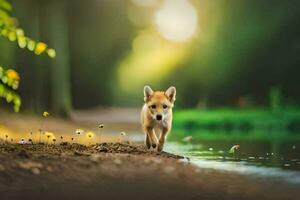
[32,68]
[60,66]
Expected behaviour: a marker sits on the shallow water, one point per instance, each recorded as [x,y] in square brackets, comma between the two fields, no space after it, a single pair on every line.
[261,159]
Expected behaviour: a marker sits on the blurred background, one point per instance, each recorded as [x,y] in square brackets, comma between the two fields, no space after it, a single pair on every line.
[217,53]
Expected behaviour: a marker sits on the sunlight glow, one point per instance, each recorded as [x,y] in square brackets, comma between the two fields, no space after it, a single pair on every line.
[176,20]
[152,58]
[157,51]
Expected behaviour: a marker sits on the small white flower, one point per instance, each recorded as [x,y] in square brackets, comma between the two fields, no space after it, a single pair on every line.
[22,141]
[101,125]
[123,133]
[79,131]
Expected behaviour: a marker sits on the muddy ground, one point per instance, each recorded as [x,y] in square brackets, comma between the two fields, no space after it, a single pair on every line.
[120,171]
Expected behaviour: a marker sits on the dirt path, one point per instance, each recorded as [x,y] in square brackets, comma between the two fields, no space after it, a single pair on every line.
[120,171]
[110,170]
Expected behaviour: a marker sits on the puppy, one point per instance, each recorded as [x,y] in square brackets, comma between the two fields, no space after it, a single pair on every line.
[156,115]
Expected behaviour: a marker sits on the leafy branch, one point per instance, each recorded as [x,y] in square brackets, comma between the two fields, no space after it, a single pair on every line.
[9,83]
[9,79]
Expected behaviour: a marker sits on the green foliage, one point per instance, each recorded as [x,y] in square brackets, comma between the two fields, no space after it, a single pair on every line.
[9,82]
[238,124]
[9,29]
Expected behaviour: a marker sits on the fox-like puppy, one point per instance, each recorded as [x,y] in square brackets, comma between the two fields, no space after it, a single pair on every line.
[157,115]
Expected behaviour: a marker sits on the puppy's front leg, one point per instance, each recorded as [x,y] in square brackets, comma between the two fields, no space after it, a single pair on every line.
[162,139]
[148,142]
[151,136]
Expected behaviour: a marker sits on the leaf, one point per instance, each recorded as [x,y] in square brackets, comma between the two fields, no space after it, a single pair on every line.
[4,79]
[20,32]
[12,36]
[5,5]
[51,53]
[30,45]
[15,85]
[9,97]
[4,32]
[22,42]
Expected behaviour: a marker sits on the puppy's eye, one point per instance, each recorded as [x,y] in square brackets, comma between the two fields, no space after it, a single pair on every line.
[153,106]
[165,106]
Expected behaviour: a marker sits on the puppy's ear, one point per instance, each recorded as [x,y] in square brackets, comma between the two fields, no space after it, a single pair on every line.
[147,93]
[171,93]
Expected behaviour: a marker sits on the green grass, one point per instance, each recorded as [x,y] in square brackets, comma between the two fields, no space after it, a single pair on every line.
[237,124]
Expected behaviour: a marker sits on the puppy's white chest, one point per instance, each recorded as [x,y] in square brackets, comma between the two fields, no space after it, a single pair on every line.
[160,124]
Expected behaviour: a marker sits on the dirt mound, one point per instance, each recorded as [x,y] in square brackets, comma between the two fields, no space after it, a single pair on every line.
[24,150]
[130,149]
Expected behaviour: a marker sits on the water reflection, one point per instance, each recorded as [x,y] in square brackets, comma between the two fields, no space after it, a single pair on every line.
[279,160]
[272,154]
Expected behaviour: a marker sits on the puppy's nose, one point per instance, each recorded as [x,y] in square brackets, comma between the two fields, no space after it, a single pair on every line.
[158,117]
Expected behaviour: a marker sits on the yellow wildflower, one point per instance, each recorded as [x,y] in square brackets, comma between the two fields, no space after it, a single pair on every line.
[40,48]
[90,134]
[12,74]
[50,135]
[46,114]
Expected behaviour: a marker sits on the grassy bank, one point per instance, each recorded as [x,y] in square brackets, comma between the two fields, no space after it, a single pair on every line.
[238,124]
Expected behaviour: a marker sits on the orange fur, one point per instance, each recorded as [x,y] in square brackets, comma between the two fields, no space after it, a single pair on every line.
[156,115]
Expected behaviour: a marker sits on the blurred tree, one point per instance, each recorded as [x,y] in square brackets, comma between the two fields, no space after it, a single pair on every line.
[60,66]
[101,35]
[35,98]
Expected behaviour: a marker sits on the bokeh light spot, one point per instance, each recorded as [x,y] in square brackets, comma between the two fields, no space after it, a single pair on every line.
[176,20]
